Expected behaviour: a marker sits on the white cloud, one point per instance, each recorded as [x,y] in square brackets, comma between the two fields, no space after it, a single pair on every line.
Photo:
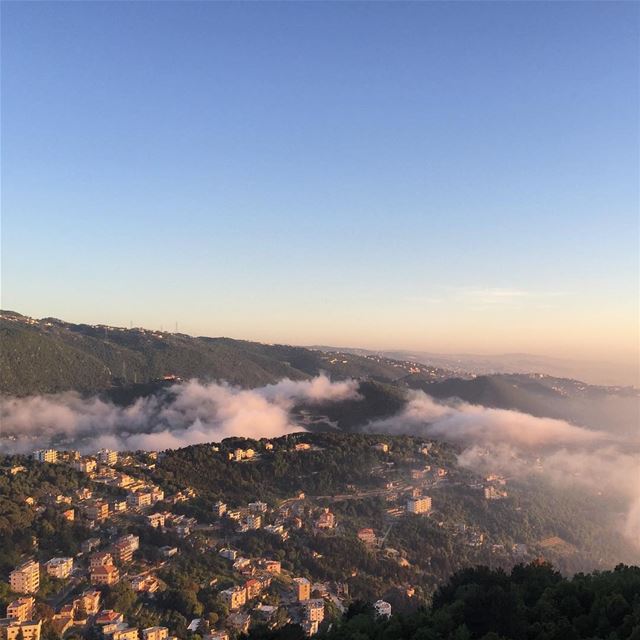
[191,413]
[508,442]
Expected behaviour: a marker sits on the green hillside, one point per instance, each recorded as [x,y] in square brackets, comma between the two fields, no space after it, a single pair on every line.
[49,355]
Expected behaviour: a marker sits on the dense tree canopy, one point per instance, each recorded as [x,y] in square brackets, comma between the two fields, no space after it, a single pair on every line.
[533,602]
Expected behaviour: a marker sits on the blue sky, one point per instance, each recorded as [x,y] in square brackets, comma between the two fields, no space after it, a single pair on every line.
[444,176]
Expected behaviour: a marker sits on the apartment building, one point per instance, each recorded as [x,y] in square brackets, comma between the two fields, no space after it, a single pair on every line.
[156,520]
[100,559]
[89,602]
[108,457]
[118,506]
[11,629]
[98,510]
[219,508]
[419,504]
[234,597]
[271,566]
[155,633]
[253,587]
[326,520]
[21,609]
[59,567]
[302,589]
[314,610]
[125,547]
[84,465]
[107,574]
[26,577]
[139,499]
[46,455]
[145,584]
[126,633]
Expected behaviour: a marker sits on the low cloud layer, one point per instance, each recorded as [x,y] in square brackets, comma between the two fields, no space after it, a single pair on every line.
[465,423]
[492,440]
[191,413]
[520,445]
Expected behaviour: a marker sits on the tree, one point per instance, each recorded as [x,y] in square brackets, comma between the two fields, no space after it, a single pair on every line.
[121,597]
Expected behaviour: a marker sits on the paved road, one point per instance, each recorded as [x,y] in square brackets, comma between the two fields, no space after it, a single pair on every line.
[359,495]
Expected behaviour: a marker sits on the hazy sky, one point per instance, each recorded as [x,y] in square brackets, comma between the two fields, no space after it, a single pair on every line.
[438,176]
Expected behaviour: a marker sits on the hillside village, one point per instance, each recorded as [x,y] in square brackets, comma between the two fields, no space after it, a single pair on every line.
[147,542]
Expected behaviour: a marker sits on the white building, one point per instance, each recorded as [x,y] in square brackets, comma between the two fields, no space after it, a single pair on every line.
[59,567]
[132,541]
[383,608]
[107,456]
[84,465]
[277,530]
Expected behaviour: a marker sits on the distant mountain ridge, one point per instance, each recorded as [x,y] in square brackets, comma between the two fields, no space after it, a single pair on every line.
[464,364]
[50,356]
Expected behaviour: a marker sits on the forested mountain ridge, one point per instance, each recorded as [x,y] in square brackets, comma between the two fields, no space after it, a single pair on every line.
[49,355]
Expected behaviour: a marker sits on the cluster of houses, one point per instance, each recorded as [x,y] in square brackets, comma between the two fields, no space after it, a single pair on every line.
[20,622]
[103,565]
[106,566]
[244,455]
[308,612]
[139,493]
[180,524]
[247,599]
[258,515]
[495,490]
